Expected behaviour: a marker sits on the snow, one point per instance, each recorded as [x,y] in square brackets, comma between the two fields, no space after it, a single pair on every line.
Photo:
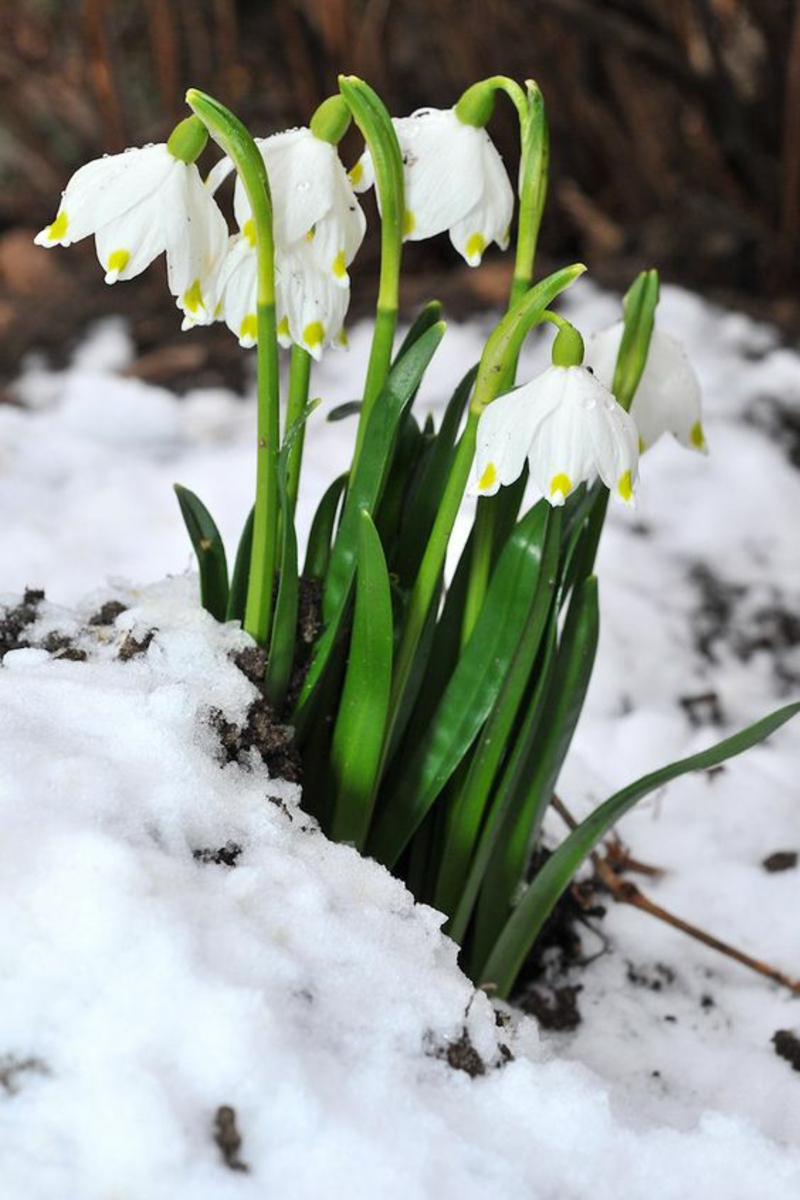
[144,988]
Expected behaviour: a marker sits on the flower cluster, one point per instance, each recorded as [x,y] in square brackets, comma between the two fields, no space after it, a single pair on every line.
[146,201]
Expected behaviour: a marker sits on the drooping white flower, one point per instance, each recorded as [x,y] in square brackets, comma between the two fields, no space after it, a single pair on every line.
[454,180]
[668,397]
[312,199]
[138,205]
[310,305]
[568,426]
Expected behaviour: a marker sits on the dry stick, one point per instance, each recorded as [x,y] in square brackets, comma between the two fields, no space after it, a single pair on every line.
[625,892]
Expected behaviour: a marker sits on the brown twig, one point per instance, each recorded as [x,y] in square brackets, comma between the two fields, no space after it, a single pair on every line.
[625,892]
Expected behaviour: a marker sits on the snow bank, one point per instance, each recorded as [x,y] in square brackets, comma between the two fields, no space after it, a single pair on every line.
[147,985]
[144,988]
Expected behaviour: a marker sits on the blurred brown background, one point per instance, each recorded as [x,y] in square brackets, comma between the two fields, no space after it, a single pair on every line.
[675,134]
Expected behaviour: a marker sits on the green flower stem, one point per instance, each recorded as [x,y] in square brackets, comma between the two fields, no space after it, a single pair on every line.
[299,380]
[475,106]
[376,127]
[238,144]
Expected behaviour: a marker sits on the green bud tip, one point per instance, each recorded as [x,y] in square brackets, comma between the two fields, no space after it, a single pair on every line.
[331,120]
[188,139]
[477,104]
[567,347]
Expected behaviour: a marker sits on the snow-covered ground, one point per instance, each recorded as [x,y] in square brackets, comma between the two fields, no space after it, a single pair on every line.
[144,988]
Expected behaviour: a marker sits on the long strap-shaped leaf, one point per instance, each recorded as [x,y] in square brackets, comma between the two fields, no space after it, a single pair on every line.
[358,738]
[423,502]
[515,772]
[237,596]
[210,551]
[364,493]
[573,669]
[366,485]
[470,694]
[318,551]
[541,896]
[466,815]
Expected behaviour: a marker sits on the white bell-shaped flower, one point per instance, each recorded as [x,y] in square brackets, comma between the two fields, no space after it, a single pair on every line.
[568,426]
[668,398]
[310,305]
[454,180]
[312,199]
[138,205]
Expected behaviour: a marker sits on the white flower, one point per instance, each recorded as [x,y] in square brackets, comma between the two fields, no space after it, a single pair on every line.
[568,426]
[318,226]
[139,204]
[454,180]
[310,305]
[667,399]
[312,199]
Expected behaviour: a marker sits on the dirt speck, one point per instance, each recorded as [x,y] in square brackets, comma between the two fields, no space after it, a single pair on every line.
[787,1045]
[554,1008]
[226,856]
[228,1138]
[108,613]
[780,860]
[16,620]
[461,1055]
[702,709]
[12,1070]
[134,647]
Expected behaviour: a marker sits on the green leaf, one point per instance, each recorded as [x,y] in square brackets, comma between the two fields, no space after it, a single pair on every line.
[466,815]
[284,624]
[237,597]
[424,499]
[210,551]
[318,551]
[350,408]
[358,737]
[366,485]
[469,695]
[541,896]
[426,318]
[364,493]
[573,669]
[515,772]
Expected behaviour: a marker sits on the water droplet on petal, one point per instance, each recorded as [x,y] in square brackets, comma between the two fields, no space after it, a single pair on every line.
[303,185]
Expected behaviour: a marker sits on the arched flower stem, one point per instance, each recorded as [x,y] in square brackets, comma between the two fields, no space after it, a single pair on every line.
[228,131]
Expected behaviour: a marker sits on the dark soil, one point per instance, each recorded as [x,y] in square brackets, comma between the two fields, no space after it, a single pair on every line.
[263,732]
[780,860]
[461,1055]
[702,709]
[744,621]
[108,613]
[61,645]
[655,981]
[554,1008]
[545,987]
[228,1138]
[226,856]
[134,647]
[787,1045]
[12,1070]
[16,621]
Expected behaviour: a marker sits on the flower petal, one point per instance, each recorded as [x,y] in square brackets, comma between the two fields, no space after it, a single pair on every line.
[127,245]
[313,304]
[443,170]
[106,189]
[489,219]
[196,238]
[508,429]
